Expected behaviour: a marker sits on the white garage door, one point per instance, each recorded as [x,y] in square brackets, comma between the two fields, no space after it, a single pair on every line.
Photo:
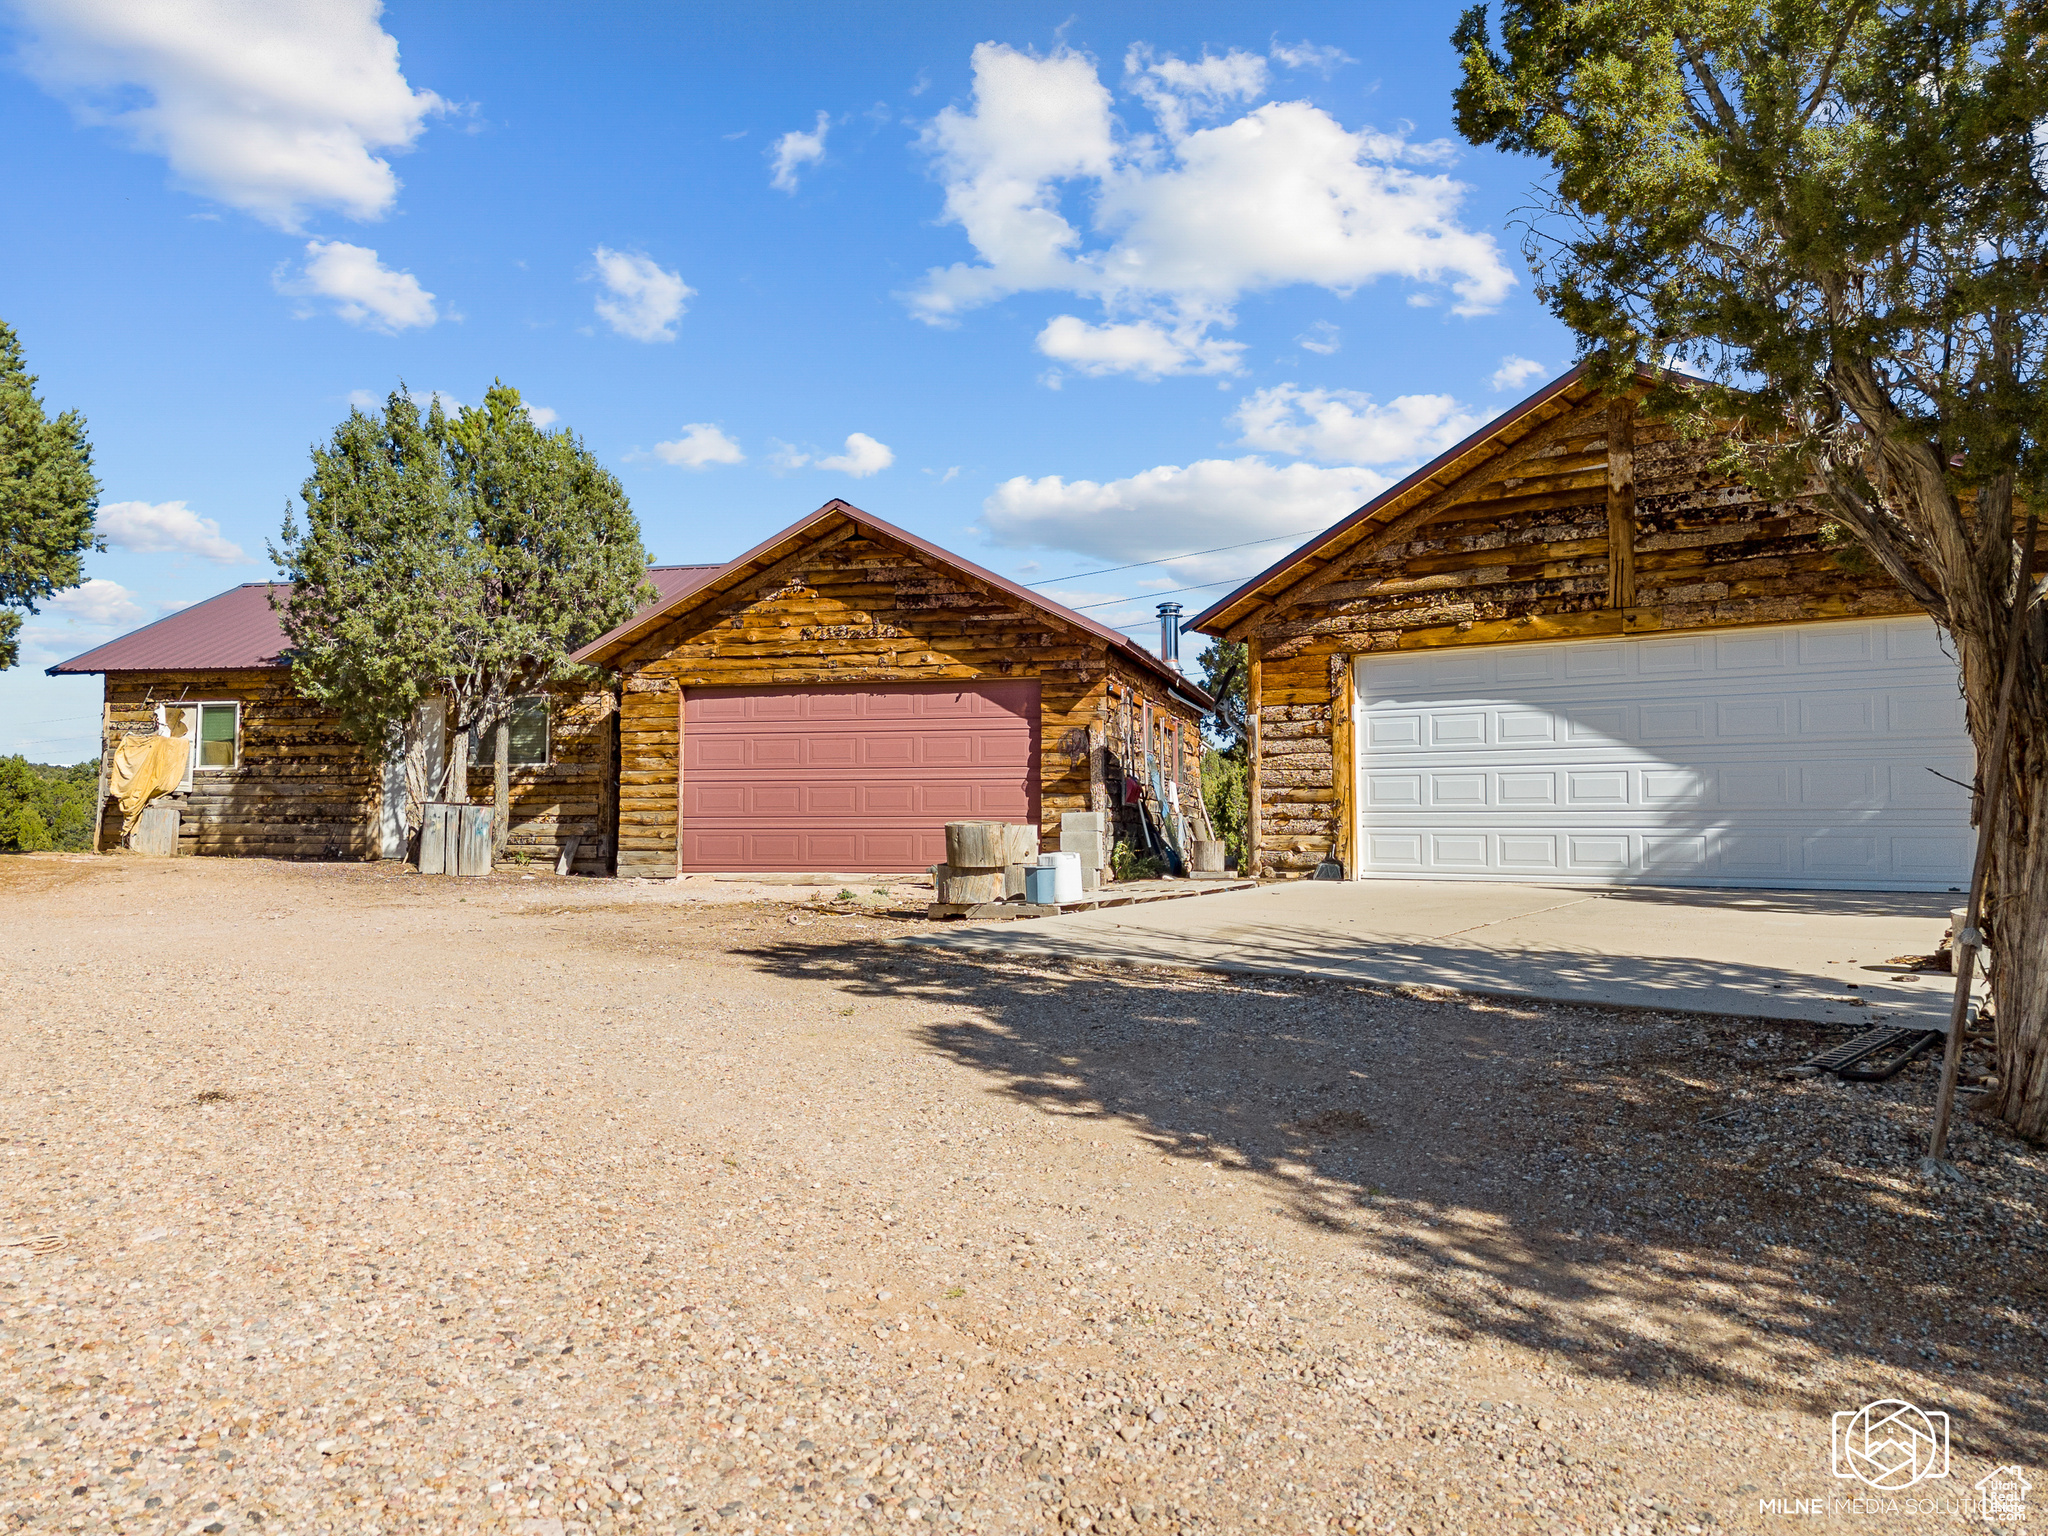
[1802,756]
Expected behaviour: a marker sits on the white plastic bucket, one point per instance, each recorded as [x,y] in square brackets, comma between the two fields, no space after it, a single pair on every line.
[1067,867]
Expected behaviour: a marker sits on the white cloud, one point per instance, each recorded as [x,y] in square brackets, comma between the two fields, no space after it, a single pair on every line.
[1306,55]
[165,527]
[100,603]
[701,445]
[1321,337]
[275,109]
[1514,372]
[1342,426]
[1143,348]
[642,300]
[543,416]
[362,289]
[863,457]
[795,150]
[1188,220]
[1177,90]
[1170,509]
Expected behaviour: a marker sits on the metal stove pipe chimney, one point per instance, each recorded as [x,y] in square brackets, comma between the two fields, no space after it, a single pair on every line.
[1169,634]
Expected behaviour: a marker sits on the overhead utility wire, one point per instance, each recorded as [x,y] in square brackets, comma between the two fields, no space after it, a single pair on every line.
[1169,559]
[1144,597]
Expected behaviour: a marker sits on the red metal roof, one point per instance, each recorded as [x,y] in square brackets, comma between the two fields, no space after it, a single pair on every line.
[239,629]
[649,618]
[232,631]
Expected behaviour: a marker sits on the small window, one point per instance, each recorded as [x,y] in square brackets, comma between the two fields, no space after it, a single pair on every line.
[215,732]
[528,737]
[219,735]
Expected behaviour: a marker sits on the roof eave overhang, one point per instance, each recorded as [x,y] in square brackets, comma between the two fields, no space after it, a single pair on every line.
[606,648]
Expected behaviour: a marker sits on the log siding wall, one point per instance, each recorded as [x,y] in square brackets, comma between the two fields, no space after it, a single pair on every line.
[300,790]
[303,790]
[571,794]
[1528,557]
[859,609]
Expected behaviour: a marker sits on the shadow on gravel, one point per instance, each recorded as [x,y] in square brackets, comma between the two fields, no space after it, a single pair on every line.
[1546,1176]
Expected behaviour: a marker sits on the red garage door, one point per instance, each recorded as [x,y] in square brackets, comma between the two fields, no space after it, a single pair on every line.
[851,779]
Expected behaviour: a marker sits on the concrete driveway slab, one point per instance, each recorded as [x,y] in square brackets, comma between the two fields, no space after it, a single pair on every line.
[1817,956]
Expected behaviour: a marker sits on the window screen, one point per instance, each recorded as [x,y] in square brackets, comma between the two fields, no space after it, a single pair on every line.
[217,735]
[529,735]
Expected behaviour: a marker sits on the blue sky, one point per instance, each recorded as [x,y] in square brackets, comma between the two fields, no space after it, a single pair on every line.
[1059,289]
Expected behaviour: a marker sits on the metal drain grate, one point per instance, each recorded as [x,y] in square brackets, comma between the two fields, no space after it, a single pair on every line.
[1874,1055]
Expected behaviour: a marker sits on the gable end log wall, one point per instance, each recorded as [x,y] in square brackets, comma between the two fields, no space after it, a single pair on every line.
[864,611]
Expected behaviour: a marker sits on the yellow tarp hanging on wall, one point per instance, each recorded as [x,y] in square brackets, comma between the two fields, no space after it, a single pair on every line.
[145,767]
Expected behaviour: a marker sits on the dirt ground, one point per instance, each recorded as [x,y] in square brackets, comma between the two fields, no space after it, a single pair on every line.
[339,1199]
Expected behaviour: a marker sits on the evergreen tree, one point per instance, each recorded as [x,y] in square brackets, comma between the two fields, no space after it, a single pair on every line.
[47,497]
[463,558]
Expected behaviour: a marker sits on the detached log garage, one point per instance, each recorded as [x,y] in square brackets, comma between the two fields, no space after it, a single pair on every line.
[831,699]
[1567,650]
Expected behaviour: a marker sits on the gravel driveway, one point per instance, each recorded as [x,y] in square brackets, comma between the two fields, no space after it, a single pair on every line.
[342,1200]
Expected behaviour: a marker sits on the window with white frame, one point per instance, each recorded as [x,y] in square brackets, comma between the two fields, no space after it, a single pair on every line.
[215,731]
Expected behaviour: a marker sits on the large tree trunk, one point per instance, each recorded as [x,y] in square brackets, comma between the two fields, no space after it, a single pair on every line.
[2016,884]
[2017,894]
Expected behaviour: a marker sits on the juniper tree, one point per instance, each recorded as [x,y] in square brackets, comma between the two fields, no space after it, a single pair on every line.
[1837,212]
[47,498]
[458,557]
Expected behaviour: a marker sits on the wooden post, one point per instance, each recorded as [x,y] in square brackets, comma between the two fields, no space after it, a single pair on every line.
[1343,771]
[1254,670]
[608,789]
[99,806]
[501,787]
[1621,503]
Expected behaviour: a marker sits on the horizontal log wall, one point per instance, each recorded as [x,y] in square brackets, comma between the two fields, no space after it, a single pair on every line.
[567,797]
[861,611]
[1527,558]
[302,789]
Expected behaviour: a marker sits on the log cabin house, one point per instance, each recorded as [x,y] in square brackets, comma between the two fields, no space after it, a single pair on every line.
[826,702]
[1567,650]
[273,775]
[833,697]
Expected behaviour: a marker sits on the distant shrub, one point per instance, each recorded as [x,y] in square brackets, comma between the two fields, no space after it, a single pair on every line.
[46,805]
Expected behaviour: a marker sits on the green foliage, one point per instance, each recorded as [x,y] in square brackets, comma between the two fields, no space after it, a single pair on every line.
[1126,862]
[1836,210]
[1226,791]
[465,557]
[44,805]
[47,497]
[1844,549]
[1225,677]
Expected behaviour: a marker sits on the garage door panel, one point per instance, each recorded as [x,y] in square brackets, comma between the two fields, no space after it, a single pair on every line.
[1523,790]
[1457,791]
[1796,756]
[857,778]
